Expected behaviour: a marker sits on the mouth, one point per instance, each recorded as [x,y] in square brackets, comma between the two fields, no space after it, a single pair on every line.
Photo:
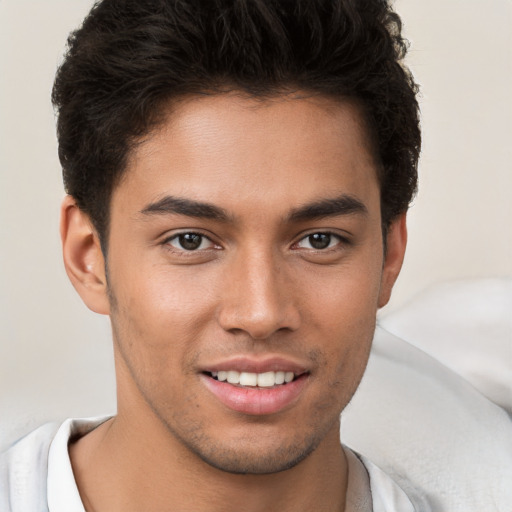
[257,392]
[266,380]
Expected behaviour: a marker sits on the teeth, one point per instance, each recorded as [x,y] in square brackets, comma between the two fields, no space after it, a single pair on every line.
[266,380]
[248,379]
[263,380]
[234,377]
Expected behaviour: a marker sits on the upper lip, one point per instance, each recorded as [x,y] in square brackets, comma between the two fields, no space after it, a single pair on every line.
[256,365]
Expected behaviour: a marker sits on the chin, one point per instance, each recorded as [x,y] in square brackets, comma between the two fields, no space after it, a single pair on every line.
[257,452]
[265,462]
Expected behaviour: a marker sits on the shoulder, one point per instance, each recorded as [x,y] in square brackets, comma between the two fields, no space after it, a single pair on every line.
[386,494]
[23,471]
[371,489]
[24,467]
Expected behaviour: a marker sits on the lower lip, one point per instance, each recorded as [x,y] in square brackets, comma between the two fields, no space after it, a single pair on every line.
[256,401]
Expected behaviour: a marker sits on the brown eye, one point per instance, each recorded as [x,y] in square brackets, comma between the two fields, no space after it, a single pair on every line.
[190,242]
[319,241]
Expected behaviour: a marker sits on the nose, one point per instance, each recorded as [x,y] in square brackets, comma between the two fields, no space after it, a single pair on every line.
[258,297]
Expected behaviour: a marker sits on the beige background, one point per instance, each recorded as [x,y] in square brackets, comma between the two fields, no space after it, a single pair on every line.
[55,356]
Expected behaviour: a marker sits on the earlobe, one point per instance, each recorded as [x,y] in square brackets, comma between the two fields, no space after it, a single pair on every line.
[394,257]
[83,258]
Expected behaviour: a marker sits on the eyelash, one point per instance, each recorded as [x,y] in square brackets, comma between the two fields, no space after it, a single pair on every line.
[203,238]
[340,240]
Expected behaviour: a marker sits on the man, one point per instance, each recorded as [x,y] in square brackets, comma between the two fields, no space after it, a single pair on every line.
[238,177]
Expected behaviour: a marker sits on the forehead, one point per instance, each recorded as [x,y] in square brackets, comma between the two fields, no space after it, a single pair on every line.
[231,147]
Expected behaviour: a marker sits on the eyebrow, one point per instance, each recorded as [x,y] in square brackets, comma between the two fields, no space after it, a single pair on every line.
[188,207]
[341,205]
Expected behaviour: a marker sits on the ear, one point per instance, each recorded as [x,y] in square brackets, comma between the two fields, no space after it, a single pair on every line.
[394,257]
[83,258]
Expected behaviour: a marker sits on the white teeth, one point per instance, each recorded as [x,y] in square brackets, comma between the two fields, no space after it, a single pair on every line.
[233,377]
[248,379]
[264,380]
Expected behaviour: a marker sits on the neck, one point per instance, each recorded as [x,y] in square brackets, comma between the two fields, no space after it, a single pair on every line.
[132,466]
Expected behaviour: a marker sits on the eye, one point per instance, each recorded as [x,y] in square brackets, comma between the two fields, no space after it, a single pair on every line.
[190,242]
[319,241]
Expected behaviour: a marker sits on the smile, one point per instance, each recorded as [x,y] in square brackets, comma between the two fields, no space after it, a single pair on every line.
[261,380]
[254,393]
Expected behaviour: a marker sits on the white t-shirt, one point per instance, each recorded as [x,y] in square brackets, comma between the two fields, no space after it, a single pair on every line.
[36,475]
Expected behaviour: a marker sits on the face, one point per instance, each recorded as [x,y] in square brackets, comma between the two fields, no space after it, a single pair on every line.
[245,268]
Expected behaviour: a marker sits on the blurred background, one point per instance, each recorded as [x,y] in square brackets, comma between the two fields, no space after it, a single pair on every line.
[56,356]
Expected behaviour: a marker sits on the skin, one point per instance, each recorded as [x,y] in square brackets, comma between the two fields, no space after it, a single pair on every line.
[256,287]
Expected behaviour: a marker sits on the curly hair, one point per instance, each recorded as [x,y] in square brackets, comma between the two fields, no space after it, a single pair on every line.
[130,57]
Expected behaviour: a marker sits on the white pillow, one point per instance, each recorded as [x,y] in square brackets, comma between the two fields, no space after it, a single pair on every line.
[444,443]
[467,326]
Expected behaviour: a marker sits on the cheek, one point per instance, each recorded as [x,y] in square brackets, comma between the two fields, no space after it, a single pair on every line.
[342,317]
[343,301]
[166,299]
[157,320]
